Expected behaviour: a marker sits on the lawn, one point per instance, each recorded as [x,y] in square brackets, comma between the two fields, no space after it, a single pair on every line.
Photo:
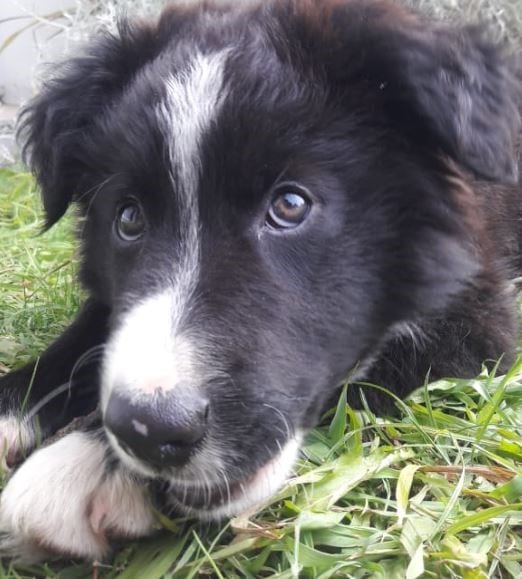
[435,491]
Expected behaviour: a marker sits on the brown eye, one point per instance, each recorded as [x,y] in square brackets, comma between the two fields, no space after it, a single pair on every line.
[130,221]
[289,208]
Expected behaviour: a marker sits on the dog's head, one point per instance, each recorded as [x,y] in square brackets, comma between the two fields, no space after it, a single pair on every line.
[266,193]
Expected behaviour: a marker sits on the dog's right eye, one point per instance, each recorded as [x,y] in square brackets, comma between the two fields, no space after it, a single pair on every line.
[130,222]
[289,208]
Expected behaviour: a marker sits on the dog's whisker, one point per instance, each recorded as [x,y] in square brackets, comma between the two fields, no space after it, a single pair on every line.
[88,356]
[85,358]
[45,400]
[96,188]
[227,485]
[284,420]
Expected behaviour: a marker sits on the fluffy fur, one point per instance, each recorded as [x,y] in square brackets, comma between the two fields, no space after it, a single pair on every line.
[214,339]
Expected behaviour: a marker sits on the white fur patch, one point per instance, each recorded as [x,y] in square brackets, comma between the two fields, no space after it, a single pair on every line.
[193,100]
[121,507]
[148,353]
[16,436]
[61,500]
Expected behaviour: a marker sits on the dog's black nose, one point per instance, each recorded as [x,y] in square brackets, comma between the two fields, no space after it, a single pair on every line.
[163,429]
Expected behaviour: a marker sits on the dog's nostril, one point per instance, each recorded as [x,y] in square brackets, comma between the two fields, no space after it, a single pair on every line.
[163,431]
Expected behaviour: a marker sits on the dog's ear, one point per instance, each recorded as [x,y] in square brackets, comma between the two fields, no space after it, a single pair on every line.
[451,87]
[54,125]
[466,91]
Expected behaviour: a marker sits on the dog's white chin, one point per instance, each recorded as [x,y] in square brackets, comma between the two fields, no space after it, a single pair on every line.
[251,494]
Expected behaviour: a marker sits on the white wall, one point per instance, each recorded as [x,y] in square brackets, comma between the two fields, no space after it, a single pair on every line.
[41,41]
[44,42]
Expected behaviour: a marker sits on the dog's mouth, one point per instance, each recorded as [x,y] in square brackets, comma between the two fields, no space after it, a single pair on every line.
[212,497]
[206,498]
[233,497]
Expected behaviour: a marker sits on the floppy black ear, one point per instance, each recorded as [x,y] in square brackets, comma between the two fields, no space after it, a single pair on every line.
[55,123]
[466,90]
[452,88]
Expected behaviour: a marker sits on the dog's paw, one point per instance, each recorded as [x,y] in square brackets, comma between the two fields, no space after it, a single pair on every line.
[67,500]
[17,436]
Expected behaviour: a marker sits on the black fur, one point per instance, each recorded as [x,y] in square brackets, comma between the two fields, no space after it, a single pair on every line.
[373,110]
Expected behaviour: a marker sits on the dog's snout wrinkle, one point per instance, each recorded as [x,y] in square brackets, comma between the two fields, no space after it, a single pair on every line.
[162,430]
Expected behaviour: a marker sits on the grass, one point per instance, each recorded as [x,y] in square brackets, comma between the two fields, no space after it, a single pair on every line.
[435,492]
[37,291]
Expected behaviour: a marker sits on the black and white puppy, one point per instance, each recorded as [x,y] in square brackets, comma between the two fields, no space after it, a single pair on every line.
[270,196]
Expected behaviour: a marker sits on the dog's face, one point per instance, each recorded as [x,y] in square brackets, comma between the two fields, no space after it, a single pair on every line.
[266,196]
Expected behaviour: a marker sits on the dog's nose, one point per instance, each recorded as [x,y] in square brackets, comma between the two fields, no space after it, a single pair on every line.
[164,430]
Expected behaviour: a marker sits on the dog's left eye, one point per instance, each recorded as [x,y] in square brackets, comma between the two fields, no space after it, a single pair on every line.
[289,208]
[130,221]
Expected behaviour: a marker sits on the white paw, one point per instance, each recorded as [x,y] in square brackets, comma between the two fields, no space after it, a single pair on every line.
[16,437]
[63,500]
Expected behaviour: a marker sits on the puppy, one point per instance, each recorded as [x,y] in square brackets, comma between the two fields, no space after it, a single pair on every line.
[271,198]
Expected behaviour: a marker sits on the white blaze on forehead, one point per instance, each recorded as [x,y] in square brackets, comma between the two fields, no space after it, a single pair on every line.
[150,348]
[193,100]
